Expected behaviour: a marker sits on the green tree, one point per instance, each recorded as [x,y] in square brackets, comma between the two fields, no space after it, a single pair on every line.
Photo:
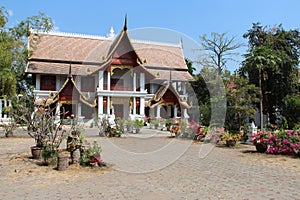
[241,99]
[8,83]
[291,110]
[7,76]
[189,64]
[271,64]
[210,92]
[261,59]
[14,52]
[220,49]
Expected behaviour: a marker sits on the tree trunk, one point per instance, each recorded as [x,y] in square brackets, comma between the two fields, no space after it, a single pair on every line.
[261,101]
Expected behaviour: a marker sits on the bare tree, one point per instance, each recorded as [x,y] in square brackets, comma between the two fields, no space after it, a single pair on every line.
[219,50]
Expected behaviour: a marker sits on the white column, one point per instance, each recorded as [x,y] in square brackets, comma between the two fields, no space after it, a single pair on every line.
[134,81]
[38,82]
[100,106]
[5,105]
[78,110]
[78,82]
[151,89]
[100,84]
[108,105]
[142,81]
[108,80]
[142,106]
[158,111]
[134,106]
[183,84]
[57,82]
[175,111]
[0,108]
[169,111]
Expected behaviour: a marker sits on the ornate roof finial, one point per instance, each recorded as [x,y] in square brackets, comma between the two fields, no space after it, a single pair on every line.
[181,43]
[70,71]
[111,32]
[125,23]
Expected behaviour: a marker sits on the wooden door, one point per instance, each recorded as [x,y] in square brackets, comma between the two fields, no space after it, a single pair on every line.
[119,110]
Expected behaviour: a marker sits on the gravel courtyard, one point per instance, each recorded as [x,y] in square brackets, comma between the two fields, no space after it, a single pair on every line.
[150,165]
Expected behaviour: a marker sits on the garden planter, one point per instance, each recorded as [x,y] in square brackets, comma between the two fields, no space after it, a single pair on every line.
[124,127]
[261,148]
[36,152]
[136,130]
[62,162]
[230,143]
[51,161]
[75,156]
[151,126]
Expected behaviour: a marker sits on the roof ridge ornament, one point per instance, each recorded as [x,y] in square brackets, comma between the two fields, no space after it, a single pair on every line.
[111,32]
[70,71]
[125,23]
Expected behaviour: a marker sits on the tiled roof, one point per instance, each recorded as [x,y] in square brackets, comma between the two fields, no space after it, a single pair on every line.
[157,98]
[51,53]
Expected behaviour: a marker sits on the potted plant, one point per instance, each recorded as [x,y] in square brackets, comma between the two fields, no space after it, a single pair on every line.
[138,124]
[155,123]
[168,124]
[176,129]
[261,140]
[200,135]
[129,123]
[51,149]
[90,155]
[121,123]
[230,138]
[10,126]
[75,142]
[41,122]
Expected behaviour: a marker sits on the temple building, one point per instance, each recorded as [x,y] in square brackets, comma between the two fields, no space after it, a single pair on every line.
[90,76]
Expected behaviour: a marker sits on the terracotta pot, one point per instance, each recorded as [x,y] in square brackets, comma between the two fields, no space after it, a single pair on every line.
[261,148]
[36,152]
[230,143]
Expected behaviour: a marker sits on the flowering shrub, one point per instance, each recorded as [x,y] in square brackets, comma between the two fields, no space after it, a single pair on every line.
[261,137]
[226,136]
[91,155]
[194,126]
[176,129]
[213,135]
[284,142]
[50,149]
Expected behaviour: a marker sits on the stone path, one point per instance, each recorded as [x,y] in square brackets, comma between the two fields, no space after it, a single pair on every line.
[151,165]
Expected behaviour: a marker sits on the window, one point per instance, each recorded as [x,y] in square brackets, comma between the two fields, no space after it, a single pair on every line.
[48,82]
[87,84]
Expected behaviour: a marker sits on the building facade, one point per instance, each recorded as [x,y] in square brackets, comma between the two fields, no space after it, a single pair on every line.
[114,76]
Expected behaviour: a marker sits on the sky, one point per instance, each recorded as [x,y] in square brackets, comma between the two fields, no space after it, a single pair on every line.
[188,19]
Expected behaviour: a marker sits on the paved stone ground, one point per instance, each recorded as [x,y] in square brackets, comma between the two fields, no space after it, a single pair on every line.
[150,165]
